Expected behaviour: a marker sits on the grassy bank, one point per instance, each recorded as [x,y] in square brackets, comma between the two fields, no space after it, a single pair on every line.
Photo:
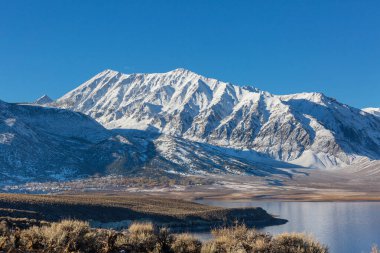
[78,236]
[120,211]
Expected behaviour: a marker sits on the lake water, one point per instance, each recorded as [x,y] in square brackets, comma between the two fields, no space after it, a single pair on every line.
[349,227]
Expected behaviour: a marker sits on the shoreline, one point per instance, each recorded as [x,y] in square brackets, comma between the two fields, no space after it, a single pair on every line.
[118,212]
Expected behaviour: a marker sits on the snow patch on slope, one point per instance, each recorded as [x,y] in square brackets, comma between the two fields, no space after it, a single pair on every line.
[373,111]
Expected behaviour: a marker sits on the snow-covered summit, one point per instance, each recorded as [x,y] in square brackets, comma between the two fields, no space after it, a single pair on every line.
[306,128]
[372,110]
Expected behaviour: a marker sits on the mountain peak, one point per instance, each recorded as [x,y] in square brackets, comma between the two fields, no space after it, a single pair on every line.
[108,72]
[182,71]
[45,99]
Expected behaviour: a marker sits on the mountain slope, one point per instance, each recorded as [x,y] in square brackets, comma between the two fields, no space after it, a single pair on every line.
[308,129]
[38,144]
[41,144]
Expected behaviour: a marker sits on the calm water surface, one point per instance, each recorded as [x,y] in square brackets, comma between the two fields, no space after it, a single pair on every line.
[344,226]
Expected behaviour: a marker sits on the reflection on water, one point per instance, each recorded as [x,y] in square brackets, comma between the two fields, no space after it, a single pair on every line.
[343,226]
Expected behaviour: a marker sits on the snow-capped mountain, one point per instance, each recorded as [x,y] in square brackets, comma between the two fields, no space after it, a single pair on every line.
[309,129]
[373,111]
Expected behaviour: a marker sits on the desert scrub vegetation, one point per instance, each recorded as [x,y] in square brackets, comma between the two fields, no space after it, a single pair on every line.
[77,236]
[113,183]
[240,239]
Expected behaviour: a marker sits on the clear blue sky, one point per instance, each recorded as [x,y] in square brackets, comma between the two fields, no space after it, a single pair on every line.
[282,46]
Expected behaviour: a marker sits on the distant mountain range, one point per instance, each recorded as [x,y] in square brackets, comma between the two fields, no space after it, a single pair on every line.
[183,123]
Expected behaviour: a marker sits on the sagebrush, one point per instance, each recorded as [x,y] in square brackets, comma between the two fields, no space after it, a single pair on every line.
[78,236]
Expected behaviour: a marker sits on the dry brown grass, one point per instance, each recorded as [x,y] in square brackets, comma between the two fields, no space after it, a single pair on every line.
[297,243]
[141,238]
[237,239]
[240,239]
[78,236]
[65,236]
[142,204]
[186,243]
[141,228]
[104,208]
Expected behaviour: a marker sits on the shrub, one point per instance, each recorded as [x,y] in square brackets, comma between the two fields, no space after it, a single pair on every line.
[33,238]
[77,236]
[4,228]
[237,239]
[141,238]
[243,240]
[185,243]
[164,241]
[67,236]
[296,243]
